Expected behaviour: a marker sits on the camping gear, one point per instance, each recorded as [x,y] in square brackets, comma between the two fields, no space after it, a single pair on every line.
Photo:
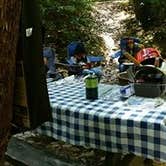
[124,79]
[91,83]
[149,56]
[127,76]
[130,72]
[150,81]
[126,91]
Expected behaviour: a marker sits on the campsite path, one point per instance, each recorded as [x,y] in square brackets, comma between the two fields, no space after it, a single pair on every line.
[112,15]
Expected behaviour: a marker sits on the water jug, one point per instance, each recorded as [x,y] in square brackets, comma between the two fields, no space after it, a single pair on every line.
[91,83]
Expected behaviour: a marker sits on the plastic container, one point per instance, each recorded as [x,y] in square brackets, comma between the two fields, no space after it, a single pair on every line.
[126,91]
[91,83]
[149,90]
[149,82]
[123,78]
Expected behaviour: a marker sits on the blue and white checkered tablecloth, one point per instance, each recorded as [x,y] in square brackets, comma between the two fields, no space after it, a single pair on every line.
[136,125]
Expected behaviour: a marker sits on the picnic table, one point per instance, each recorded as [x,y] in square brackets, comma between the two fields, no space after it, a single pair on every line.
[136,125]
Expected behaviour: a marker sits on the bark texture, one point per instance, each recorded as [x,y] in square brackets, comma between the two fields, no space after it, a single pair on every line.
[9,26]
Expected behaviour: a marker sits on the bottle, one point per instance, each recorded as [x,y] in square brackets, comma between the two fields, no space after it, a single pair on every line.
[91,83]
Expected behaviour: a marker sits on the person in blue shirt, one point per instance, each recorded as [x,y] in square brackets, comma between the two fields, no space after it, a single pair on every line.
[77,55]
[49,62]
[128,45]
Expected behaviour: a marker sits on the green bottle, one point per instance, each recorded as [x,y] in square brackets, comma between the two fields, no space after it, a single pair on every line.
[91,83]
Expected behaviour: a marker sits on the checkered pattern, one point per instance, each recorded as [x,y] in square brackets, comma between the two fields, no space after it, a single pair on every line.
[105,124]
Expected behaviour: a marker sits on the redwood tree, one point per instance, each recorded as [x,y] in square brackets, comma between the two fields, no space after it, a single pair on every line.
[9,26]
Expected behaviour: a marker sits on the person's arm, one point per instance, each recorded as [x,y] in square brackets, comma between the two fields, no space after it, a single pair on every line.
[73,60]
[122,58]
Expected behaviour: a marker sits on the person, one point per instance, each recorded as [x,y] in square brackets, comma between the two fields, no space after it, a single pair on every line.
[77,55]
[128,45]
[49,62]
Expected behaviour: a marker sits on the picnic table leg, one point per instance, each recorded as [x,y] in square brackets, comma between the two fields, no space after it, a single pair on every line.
[112,159]
[148,162]
[126,160]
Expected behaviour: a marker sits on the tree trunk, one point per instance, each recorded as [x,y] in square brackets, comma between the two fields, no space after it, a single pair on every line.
[9,26]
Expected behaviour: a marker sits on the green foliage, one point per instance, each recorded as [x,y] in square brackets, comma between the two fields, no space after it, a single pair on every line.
[152,15]
[150,12]
[69,20]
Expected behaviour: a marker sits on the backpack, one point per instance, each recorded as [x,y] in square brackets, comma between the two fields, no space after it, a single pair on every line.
[147,55]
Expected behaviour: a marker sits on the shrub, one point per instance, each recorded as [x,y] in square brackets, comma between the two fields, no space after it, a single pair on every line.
[68,20]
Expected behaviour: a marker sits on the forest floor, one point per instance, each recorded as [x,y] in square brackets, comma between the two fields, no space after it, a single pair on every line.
[116,17]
